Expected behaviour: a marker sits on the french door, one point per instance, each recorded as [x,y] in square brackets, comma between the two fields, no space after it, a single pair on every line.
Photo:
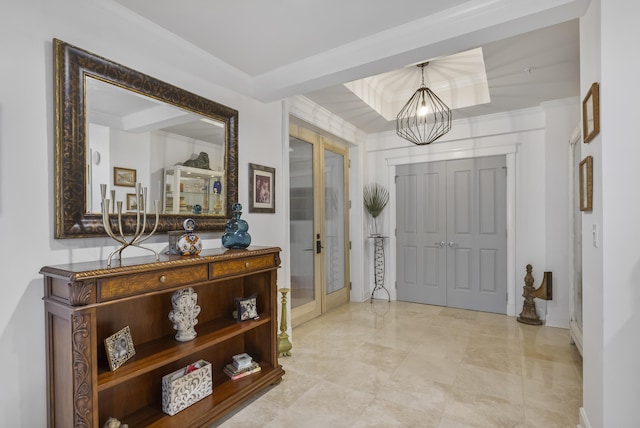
[318,169]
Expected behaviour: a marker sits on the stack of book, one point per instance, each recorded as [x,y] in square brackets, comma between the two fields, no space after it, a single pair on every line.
[241,366]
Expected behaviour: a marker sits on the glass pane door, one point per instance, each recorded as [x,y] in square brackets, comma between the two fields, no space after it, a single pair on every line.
[301,223]
[318,226]
[336,242]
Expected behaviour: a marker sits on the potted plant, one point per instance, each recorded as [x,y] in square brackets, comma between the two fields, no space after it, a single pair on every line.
[375,198]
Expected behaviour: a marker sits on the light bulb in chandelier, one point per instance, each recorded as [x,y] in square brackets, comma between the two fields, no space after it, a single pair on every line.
[424,109]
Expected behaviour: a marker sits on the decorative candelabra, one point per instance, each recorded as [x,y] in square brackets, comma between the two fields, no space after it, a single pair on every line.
[284,345]
[137,238]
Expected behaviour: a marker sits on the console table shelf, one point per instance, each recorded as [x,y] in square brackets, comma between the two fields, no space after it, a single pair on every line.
[87,302]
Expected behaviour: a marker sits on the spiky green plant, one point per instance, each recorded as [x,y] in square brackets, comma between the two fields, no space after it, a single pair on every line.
[375,198]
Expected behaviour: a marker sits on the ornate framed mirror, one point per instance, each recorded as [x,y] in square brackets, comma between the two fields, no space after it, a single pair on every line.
[114,125]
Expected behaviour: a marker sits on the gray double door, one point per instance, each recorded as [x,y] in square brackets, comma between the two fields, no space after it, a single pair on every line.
[451,233]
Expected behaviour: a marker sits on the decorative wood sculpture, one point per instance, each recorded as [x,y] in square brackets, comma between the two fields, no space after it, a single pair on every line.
[529,314]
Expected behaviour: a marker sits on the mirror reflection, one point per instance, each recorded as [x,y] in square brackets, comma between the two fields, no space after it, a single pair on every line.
[177,154]
[117,126]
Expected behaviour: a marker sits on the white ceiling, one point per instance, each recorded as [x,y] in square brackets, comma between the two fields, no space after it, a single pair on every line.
[294,47]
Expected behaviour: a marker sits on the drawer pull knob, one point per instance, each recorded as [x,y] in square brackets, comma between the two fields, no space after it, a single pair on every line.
[163,279]
[246,264]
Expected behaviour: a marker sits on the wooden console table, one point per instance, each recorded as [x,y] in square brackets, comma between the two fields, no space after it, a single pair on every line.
[87,302]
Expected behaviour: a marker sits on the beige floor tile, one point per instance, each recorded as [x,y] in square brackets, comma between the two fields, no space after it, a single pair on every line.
[384,414]
[556,397]
[336,403]
[481,411]
[429,396]
[537,417]
[550,373]
[399,364]
[500,357]
[416,370]
[491,383]
[255,414]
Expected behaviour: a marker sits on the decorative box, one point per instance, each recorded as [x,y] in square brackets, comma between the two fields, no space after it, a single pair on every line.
[186,386]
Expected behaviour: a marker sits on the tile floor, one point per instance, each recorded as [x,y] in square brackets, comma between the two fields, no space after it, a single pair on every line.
[401,364]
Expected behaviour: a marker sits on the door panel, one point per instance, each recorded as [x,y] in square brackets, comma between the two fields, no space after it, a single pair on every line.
[451,233]
[479,238]
[319,228]
[335,226]
[304,284]
[421,233]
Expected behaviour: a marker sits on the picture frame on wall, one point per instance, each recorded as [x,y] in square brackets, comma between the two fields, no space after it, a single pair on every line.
[132,202]
[262,189]
[586,184]
[591,113]
[119,347]
[124,177]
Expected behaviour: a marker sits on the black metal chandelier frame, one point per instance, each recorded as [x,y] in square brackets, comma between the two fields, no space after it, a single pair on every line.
[425,117]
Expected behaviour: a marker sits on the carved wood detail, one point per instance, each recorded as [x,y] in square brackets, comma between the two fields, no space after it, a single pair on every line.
[82,400]
[80,293]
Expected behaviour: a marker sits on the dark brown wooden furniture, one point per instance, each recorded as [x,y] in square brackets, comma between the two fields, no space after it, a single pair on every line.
[87,302]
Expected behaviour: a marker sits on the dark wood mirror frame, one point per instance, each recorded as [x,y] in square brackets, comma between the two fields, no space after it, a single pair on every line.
[71,66]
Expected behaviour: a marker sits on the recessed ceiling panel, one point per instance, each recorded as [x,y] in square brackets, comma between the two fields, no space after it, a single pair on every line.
[459,80]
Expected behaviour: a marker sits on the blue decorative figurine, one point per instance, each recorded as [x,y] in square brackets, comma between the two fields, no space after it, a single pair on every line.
[235,236]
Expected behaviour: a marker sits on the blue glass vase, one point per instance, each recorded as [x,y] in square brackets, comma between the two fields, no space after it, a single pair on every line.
[236,235]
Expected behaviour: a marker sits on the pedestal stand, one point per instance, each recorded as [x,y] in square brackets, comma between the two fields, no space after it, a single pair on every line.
[378,265]
[284,345]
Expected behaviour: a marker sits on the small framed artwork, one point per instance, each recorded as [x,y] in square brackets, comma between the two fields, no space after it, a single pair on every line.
[586,184]
[119,347]
[124,177]
[132,202]
[262,189]
[591,113]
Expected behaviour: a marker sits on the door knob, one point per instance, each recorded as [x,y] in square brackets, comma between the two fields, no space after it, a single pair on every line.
[439,244]
[452,244]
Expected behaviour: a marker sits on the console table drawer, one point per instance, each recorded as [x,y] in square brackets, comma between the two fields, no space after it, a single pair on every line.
[122,286]
[231,267]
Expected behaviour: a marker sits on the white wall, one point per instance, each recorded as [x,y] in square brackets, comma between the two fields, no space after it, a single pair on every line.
[561,118]
[592,257]
[537,135]
[619,151]
[26,164]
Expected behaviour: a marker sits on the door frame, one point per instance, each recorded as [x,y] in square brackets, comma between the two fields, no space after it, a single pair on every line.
[509,151]
[323,301]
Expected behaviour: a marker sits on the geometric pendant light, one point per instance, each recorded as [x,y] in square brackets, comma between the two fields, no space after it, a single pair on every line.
[424,118]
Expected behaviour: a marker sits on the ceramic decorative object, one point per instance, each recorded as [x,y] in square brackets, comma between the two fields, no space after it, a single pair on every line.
[217,186]
[184,313]
[186,386]
[114,423]
[236,235]
[141,221]
[189,243]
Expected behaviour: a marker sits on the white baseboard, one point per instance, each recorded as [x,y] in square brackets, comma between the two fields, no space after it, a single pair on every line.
[584,420]
[576,335]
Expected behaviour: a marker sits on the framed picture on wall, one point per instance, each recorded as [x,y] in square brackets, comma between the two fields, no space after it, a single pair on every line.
[262,189]
[124,177]
[591,113]
[132,202]
[586,184]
